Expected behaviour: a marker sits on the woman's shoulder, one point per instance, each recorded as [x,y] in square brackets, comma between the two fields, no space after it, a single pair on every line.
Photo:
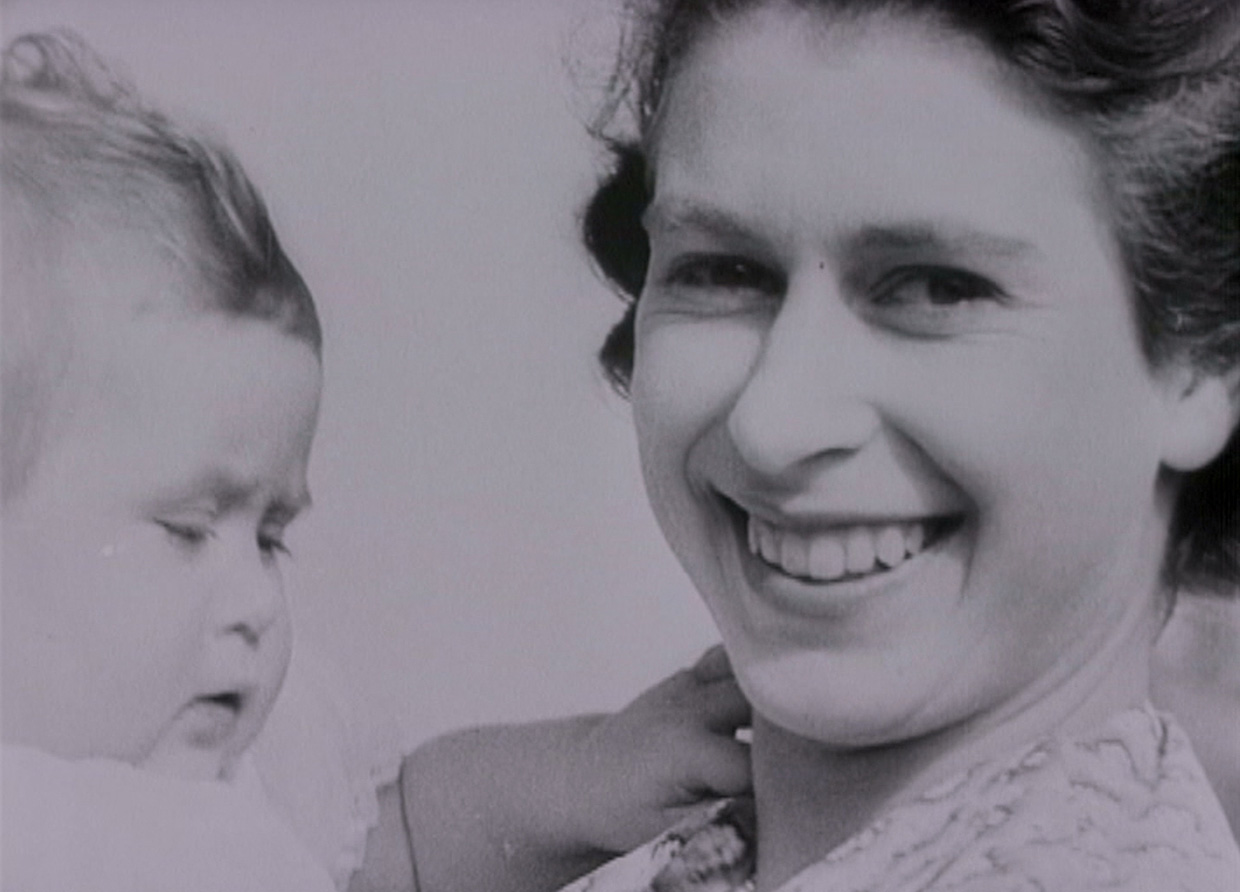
[1125,807]
[1196,675]
[1128,806]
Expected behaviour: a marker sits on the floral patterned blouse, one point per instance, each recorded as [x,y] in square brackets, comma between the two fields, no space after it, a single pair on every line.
[1126,808]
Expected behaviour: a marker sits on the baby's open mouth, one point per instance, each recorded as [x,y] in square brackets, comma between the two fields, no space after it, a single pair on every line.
[212,718]
[846,551]
[231,700]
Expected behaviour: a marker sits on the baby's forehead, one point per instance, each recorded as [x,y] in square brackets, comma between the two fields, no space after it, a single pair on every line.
[89,252]
[178,387]
[85,288]
[108,259]
[94,275]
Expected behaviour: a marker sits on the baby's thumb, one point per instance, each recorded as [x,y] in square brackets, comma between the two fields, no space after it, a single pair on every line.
[723,768]
[712,665]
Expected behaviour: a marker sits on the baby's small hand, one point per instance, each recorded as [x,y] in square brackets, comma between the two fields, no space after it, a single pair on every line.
[513,808]
[670,750]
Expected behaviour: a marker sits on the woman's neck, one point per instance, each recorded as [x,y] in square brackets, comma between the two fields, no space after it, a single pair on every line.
[812,797]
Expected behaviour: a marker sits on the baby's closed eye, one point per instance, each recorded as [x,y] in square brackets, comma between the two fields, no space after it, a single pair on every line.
[271,543]
[185,534]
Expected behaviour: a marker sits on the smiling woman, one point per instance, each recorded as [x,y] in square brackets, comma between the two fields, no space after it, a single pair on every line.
[840,387]
[933,351]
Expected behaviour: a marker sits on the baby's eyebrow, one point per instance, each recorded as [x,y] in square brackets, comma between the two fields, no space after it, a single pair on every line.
[229,491]
[285,509]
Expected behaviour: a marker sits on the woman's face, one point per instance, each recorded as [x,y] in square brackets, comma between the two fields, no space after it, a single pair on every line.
[893,413]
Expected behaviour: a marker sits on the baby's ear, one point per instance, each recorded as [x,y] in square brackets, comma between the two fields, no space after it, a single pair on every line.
[1204,411]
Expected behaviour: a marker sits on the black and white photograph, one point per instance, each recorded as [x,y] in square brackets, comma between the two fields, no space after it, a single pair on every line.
[620,445]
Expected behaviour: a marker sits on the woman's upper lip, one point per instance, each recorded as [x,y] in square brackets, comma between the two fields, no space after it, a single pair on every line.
[822,518]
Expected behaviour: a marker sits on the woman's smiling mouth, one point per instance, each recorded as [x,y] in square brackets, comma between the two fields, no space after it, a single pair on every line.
[844,552]
[840,551]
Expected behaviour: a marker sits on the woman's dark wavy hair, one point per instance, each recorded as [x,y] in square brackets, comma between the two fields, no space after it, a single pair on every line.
[1153,84]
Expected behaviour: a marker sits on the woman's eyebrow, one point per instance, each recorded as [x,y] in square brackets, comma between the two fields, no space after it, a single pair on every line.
[934,237]
[939,237]
[672,214]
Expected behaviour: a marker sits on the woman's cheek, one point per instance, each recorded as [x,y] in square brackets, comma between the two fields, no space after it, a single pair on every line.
[687,375]
[688,371]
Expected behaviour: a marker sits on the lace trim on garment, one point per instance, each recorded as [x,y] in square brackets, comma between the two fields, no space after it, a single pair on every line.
[383,768]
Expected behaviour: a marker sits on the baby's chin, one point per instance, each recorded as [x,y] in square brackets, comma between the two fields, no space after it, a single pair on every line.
[175,759]
[207,737]
[189,757]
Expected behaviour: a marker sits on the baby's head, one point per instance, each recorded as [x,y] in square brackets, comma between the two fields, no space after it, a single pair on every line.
[160,388]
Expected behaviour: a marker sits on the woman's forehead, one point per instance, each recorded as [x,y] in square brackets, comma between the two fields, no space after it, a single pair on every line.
[917,47]
[893,136]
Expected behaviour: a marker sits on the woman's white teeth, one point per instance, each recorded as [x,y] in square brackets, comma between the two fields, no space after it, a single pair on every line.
[768,547]
[914,538]
[889,546]
[859,546]
[794,555]
[828,556]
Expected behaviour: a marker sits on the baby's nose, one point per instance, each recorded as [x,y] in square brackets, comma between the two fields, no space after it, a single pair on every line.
[254,601]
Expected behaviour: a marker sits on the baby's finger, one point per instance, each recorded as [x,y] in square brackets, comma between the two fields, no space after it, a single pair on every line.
[742,802]
[712,665]
[723,706]
[721,768]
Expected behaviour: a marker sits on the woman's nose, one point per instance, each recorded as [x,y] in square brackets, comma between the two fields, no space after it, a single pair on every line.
[808,393]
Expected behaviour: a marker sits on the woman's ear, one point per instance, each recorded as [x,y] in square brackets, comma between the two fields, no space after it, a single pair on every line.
[1204,412]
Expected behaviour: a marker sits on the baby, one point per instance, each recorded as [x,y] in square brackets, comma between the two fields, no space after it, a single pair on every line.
[161,381]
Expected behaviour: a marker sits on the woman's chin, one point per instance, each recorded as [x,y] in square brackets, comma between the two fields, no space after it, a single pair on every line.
[848,714]
[849,729]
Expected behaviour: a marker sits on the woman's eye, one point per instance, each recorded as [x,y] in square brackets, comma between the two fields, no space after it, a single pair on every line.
[934,287]
[724,273]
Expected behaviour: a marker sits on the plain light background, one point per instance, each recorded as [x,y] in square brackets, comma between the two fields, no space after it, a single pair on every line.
[480,547]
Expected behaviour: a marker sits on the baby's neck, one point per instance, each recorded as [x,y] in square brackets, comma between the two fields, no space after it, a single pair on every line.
[811,797]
